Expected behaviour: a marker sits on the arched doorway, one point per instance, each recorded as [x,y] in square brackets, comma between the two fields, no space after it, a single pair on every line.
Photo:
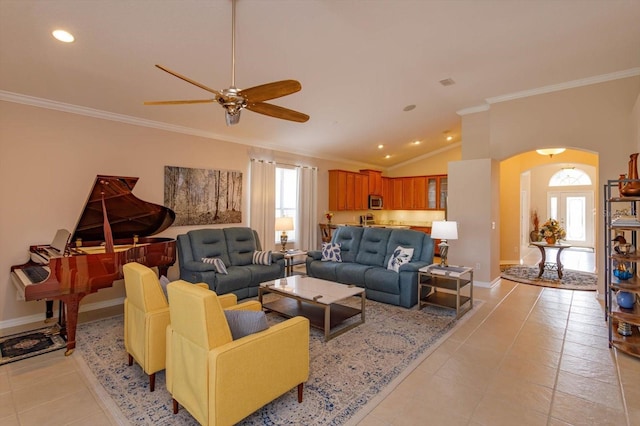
[525,187]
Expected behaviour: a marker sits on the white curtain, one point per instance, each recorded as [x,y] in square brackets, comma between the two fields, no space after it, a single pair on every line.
[262,215]
[307,220]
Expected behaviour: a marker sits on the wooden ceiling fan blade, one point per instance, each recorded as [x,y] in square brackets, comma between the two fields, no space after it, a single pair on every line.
[188,80]
[188,101]
[269,91]
[277,112]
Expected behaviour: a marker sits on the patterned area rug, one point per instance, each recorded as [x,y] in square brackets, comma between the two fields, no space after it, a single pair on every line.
[30,343]
[349,375]
[571,280]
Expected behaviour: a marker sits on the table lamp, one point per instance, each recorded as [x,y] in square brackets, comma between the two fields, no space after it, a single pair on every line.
[284,224]
[444,230]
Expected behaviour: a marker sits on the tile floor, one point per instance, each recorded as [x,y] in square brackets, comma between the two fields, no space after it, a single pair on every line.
[530,356]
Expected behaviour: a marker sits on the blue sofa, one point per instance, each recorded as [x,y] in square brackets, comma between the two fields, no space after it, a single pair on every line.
[365,254]
[235,246]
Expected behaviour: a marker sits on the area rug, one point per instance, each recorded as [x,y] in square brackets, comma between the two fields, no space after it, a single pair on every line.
[571,280]
[30,343]
[349,374]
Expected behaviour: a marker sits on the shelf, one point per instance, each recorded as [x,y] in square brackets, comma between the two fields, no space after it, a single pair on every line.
[628,223]
[447,300]
[630,285]
[446,283]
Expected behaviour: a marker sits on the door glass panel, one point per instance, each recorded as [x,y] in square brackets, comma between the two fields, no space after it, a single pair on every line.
[576,215]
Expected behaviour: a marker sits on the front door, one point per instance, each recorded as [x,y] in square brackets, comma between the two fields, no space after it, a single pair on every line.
[574,211]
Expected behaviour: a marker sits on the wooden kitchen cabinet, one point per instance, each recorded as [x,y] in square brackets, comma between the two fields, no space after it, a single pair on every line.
[387,193]
[374,181]
[396,187]
[407,193]
[348,190]
[419,193]
[437,192]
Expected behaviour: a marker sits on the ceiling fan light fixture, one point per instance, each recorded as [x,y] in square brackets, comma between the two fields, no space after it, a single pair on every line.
[232,119]
[550,151]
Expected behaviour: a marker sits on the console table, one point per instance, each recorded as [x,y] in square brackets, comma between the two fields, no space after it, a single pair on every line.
[543,261]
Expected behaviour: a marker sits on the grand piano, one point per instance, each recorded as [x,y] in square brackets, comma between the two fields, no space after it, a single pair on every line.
[114,229]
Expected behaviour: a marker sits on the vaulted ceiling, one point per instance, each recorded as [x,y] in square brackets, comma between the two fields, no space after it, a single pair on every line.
[361,63]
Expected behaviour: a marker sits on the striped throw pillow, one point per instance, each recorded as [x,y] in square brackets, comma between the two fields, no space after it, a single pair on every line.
[243,323]
[217,263]
[262,258]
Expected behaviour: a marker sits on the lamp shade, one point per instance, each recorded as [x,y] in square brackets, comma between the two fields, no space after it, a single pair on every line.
[284,224]
[444,230]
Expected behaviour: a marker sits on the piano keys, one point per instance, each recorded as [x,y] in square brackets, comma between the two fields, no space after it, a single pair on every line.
[114,229]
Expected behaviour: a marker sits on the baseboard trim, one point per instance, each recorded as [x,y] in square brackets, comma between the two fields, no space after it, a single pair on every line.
[30,319]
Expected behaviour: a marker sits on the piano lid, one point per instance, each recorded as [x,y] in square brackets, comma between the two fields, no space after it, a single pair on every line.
[127,214]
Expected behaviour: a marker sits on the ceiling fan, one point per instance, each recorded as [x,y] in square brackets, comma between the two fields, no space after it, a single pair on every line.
[234,100]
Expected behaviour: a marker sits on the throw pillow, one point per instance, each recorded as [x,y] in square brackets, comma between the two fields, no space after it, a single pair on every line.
[331,252]
[400,256]
[243,323]
[164,281]
[217,263]
[262,257]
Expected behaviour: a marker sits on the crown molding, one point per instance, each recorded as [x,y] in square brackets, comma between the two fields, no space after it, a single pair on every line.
[473,109]
[633,72]
[566,85]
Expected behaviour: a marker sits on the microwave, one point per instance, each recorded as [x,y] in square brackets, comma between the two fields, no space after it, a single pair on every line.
[375,202]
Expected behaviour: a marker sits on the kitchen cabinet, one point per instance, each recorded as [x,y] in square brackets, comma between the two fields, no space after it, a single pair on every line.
[374,181]
[396,188]
[419,193]
[351,190]
[407,193]
[348,190]
[437,192]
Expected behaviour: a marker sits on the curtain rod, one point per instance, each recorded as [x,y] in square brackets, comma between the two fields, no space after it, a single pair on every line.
[284,164]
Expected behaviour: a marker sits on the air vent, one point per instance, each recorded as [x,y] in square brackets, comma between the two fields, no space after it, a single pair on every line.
[447,82]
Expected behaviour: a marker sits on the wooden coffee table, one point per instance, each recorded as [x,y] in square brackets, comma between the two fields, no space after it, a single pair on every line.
[314,299]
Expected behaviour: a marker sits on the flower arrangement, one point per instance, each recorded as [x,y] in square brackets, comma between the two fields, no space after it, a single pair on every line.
[329,216]
[552,231]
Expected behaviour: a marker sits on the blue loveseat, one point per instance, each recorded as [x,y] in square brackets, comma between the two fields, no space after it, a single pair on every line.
[365,254]
[235,246]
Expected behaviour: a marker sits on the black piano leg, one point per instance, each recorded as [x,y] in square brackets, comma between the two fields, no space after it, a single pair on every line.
[49,311]
[62,320]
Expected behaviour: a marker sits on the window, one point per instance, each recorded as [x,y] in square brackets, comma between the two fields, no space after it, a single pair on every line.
[286,198]
[570,177]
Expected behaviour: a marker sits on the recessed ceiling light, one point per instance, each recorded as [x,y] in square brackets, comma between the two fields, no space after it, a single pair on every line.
[409,108]
[63,36]
[380,146]
[416,142]
[387,156]
[449,138]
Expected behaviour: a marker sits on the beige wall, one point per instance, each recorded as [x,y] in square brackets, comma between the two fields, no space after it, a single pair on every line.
[48,163]
[540,169]
[599,118]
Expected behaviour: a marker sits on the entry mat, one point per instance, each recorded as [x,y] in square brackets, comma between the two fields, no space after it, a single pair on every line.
[30,343]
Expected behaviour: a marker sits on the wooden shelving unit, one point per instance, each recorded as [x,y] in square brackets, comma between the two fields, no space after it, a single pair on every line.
[629,340]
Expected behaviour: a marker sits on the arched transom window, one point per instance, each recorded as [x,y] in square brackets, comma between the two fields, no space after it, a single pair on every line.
[570,177]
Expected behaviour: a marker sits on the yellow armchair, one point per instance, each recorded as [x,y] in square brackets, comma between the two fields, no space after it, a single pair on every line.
[218,380]
[146,316]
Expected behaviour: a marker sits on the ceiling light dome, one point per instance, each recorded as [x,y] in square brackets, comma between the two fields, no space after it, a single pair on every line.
[550,151]
[63,36]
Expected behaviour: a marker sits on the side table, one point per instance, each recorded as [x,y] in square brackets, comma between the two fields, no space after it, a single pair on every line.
[443,285]
[543,264]
[289,256]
